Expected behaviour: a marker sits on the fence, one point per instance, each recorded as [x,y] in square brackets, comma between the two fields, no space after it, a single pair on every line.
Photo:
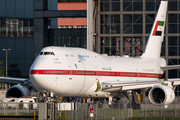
[102,111]
[4,86]
[122,111]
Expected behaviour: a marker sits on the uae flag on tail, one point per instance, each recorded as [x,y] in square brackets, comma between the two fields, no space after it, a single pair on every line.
[158,28]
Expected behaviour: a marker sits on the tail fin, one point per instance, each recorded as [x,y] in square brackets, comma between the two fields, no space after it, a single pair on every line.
[153,47]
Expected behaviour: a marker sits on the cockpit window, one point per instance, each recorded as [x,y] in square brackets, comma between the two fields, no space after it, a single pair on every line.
[41,53]
[47,53]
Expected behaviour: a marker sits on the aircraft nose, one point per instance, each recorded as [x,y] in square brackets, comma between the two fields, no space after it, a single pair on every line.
[39,63]
[35,73]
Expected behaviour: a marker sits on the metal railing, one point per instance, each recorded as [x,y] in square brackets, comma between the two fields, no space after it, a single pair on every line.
[122,111]
[102,111]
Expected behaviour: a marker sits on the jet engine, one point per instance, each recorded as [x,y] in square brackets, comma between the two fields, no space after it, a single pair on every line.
[17,91]
[161,95]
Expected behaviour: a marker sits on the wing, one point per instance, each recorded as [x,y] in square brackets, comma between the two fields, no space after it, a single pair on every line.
[12,80]
[132,85]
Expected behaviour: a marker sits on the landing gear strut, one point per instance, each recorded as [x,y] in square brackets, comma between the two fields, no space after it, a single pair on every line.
[47,96]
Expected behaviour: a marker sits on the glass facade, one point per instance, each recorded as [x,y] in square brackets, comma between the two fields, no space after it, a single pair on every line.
[124,30]
[67,37]
[17,34]
[16,27]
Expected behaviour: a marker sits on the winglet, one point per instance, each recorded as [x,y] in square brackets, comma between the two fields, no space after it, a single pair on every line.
[153,47]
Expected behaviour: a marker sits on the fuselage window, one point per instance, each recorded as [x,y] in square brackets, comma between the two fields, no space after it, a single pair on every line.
[67,55]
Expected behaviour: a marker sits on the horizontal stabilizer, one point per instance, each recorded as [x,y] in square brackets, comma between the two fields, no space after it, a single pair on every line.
[170,67]
[174,81]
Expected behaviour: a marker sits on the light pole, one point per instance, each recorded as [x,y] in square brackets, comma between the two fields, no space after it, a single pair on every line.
[6,58]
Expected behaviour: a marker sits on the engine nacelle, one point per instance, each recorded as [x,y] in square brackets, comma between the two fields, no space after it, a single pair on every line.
[17,91]
[161,95]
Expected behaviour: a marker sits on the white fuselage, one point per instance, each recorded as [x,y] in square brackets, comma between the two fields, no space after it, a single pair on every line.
[74,71]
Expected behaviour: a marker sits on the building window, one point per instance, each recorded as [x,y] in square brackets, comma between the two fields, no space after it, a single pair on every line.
[157,5]
[163,48]
[172,25]
[150,6]
[137,23]
[172,51]
[172,6]
[110,45]
[132,23]
[172,18]
[137,6]
[115,6]
[127,6]
[107,5]
[172,73]
[127,23]
[149,22]
[172,28]
[104,6]
[132,46]
[105,41]
[172,46]
[13,27]
[68,37]
[110,24]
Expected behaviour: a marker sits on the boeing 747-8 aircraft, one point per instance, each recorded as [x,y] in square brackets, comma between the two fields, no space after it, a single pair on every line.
[77,72]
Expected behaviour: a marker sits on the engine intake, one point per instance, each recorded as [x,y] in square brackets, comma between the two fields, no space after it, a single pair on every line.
[161,95]
[17,91]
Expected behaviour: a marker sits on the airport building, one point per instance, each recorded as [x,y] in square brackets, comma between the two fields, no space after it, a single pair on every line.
[70,31]
[72,22]
[121,27]
[17,34]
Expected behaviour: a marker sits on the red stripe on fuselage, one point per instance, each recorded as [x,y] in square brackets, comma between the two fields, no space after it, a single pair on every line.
[94,73]
[155,28]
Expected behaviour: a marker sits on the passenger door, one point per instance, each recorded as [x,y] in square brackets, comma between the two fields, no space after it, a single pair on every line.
[78,73]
